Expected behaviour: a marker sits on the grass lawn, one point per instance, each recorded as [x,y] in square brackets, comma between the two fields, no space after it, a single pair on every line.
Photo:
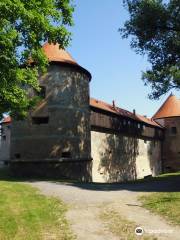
[162,177]
[168,176]
[25,214]
[121,227]
[167,204]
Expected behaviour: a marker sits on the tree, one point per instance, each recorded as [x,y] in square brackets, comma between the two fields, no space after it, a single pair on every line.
[24,26]
[155,29]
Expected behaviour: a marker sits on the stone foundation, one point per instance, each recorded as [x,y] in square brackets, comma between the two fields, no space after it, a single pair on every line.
[74,170]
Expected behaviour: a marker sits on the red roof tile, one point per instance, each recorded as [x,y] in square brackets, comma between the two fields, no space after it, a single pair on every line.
[55,54]
[170,108]
[121,112]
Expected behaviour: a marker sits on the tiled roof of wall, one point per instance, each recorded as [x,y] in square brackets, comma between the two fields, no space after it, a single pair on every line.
[121,112]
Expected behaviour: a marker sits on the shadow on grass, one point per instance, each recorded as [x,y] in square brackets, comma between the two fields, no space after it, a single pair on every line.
[163,183]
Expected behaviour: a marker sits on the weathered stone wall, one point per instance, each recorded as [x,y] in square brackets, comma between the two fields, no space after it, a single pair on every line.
[5,143]
[148,159]
[65,135]
[120,158]
[171,144]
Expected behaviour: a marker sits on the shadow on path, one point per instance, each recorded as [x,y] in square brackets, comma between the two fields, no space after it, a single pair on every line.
[159,184]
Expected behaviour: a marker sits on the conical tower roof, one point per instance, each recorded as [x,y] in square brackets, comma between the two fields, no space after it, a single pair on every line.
[170,108]
[55,54]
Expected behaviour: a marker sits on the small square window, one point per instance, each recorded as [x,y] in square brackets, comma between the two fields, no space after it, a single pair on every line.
[4,137]
[66,155]
[173,130]
[40,120]
[17,155]
[42,92]
[2,131]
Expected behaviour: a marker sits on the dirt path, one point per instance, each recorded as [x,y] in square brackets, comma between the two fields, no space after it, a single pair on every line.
[86,201]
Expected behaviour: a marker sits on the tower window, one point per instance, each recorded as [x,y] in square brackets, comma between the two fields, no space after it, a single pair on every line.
[40,120]
[17,155]
[173,130]
[4,137]
[66,155]
[42,92]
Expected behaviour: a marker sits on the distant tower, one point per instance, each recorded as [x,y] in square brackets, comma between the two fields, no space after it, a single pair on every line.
[169,116]
[55,139]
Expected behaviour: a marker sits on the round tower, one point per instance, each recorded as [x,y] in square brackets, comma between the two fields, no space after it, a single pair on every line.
[169,116]
[55,138]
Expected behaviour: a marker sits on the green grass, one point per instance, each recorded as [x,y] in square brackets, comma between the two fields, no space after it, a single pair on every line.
[121,227]
[162,177]
[169,175]
[166,204]
[25,214]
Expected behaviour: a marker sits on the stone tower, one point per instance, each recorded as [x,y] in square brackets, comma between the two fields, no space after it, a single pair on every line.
[55,138]
[169,116]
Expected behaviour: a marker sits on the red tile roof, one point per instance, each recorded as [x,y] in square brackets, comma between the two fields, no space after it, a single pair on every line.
[55,54]
[121,112]
[113,109]
[170,108]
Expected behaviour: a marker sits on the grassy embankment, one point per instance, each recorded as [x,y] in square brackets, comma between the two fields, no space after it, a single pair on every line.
[166,204]
[26,214]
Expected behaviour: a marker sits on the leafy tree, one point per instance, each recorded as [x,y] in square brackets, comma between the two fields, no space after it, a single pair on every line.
[24,26]
[155,29]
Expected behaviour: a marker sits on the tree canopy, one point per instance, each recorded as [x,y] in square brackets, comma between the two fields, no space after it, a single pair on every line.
[24,26]
[154,26]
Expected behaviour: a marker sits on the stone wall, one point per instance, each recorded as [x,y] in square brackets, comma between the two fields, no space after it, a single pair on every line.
[120,158]
[5,143]
[58,130]
[171,144]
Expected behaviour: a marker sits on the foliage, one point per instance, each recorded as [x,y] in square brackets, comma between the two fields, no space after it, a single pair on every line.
[24,26]
[155,29]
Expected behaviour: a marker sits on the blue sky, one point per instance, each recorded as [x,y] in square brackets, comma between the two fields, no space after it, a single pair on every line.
[116,69]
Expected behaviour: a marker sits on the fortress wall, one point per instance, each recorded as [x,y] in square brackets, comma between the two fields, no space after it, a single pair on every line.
[120,158]
[5,142]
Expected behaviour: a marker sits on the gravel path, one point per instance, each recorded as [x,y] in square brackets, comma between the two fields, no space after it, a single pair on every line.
[86,201]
